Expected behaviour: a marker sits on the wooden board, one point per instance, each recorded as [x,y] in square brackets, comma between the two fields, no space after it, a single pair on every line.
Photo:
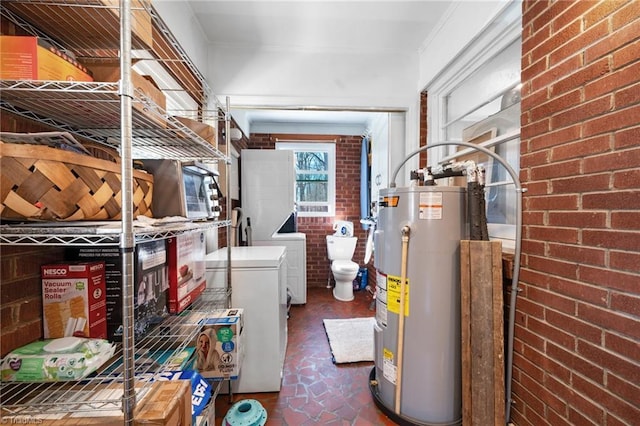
[483,387]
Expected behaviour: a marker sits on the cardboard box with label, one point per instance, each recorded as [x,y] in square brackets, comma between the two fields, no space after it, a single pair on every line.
[219,346]
[187,278]
[30,58]
[74,300]
[151,284]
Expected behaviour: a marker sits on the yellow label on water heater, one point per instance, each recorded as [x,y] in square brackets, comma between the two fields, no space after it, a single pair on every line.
[393,295]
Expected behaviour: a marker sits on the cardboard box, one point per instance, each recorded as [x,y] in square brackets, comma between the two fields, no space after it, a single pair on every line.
[30,58]
[142,85]
[141,23]
[201,390]
[221,359]
[169,403]
[150,302]
[205,131]
[187,278]
[166,403]
[74,300]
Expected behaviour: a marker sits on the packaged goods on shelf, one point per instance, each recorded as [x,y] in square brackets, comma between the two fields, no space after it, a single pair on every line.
[219,346]
[186,269]
[30,58]
[74,300]
[52,360]
[151,284]
[205,131]
[164,403]
[142,85]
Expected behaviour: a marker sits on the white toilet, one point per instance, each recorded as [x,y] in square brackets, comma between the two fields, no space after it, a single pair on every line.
[340,250]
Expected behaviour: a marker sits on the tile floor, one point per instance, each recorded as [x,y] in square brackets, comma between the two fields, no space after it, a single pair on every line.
[316,391]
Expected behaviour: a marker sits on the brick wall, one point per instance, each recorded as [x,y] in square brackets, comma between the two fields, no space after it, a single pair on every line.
[21,290]
[347,205]
[577,350]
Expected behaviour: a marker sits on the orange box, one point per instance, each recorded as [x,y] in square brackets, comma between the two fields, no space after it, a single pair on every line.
[29,58]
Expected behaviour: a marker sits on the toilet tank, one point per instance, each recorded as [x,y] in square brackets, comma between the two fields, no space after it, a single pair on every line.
[341,248]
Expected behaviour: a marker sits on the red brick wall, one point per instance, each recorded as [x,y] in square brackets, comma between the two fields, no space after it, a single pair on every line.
[577,350]
[347,205]
[21,290]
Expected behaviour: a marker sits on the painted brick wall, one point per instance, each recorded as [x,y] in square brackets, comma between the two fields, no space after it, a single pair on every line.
[347,206]
[577,350]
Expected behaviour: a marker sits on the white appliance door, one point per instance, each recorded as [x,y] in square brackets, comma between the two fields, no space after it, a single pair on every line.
[268,185]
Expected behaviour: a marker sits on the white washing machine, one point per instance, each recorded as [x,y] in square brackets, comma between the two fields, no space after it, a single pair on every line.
[258,285]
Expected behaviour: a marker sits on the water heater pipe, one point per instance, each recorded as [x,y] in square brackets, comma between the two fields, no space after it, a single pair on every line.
[400,349]
[517,250]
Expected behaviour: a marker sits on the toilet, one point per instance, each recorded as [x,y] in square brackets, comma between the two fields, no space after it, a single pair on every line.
[340,249]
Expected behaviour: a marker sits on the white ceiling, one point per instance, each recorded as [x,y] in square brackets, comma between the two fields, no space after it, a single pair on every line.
[329,25]
[335,25]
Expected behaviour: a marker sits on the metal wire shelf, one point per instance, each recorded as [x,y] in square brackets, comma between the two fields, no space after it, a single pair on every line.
[172,336]
[92,29]
[81,233]
[92,110]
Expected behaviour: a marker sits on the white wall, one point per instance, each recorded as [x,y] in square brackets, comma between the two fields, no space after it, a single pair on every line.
[460,25]
[271,77]
[276,78]
[185,27]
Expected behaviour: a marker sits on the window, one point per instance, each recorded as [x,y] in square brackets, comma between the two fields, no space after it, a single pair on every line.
[315,177]
[477,100]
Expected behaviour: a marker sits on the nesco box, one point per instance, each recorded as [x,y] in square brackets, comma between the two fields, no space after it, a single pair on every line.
[74,300]
[219,346]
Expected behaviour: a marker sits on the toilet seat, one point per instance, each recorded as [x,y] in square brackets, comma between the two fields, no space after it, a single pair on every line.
[344,266]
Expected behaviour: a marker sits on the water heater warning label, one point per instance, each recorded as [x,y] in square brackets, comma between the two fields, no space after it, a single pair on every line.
[381,298]
[393,295]
[389,371]
[430,205]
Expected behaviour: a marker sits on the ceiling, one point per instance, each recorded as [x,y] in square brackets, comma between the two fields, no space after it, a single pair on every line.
[329,25]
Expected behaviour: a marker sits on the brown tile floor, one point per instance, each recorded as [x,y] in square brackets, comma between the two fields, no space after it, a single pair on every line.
[315,391]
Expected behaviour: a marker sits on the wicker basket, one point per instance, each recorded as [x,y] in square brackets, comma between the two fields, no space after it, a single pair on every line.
[43,183]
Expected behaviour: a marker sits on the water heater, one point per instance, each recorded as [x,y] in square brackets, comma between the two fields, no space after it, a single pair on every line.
[426,390]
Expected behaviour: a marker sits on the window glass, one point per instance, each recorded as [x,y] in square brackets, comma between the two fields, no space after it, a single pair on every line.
[315,177]
[477,100]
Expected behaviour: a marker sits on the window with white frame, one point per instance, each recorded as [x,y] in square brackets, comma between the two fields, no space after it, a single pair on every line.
[315,165]
[477,100]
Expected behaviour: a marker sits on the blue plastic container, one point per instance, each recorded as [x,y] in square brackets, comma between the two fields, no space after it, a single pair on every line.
[247,412]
